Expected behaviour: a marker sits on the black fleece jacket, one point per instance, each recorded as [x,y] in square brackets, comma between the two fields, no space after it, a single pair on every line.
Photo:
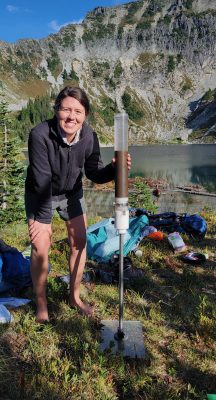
[56,168]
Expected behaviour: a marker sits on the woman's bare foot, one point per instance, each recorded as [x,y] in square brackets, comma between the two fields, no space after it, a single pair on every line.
[42,312]
[41,317]
[83,308]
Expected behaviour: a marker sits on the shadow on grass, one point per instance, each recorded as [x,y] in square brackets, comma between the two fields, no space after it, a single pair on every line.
[21,376]
[180,295]
[203,382]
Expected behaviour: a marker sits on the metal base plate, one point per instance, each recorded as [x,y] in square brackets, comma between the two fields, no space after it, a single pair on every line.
[130,346]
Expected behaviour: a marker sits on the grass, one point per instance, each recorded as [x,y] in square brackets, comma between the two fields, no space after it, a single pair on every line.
[31,88]
[174,301]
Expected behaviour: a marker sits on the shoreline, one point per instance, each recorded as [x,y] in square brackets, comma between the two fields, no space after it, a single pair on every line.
[111,145]
[176,190]
[160,186]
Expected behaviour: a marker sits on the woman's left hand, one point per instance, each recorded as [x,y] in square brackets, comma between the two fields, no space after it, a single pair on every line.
[128,161]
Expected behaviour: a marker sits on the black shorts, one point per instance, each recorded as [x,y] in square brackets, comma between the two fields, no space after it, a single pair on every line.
[68,206]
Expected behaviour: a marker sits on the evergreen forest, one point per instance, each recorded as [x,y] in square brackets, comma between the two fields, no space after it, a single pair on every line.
[14,131]
[36,110]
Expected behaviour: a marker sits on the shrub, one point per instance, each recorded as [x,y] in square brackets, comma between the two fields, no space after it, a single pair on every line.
[120,32]
[179,57]
[171,64]
[131,107]
[144,25]
[98,69]
[64,75]
[167,19]
[118,70]
[73,76]
[187,85]
[54,64]
[98,31]
[134,7]
[108,109]
[141,197]
[209,95]
[188,4]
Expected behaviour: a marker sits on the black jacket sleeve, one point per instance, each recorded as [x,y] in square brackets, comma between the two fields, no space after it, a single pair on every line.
[40,174]
[94,168]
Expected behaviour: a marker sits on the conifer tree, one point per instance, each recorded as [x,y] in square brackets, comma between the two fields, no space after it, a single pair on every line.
[36,111]
[11,169]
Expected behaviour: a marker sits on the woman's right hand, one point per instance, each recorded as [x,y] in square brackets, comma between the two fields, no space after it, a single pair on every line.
[37,229]
[128,161]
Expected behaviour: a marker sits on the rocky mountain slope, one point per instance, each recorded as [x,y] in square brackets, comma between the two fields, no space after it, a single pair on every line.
[154,58]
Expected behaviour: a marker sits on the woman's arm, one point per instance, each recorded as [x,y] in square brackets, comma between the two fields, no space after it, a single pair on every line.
[40,174]
[94,168]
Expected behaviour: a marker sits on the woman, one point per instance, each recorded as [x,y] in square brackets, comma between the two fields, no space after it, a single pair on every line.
[59,149]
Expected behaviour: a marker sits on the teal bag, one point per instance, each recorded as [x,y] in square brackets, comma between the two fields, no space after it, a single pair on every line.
[103,238]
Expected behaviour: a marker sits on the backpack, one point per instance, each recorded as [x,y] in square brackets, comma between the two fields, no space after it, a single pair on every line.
[167,222]
[194,225]
[103,238]
[16,269]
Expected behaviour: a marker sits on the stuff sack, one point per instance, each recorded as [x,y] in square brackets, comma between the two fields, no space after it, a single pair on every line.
[103,238]
[194,225]
[168,222]
[16,269]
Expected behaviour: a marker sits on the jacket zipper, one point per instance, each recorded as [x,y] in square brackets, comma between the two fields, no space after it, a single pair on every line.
[68,167]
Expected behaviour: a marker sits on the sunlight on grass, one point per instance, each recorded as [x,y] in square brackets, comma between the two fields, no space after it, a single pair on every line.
[174,301]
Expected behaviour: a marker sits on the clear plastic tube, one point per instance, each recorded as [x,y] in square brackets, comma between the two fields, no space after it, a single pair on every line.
[121,151]
[121,132]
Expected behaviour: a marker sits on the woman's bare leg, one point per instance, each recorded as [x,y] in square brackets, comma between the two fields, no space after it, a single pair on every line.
[40,235]
[77,239]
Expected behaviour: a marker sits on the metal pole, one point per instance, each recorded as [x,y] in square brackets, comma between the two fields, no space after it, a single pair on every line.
[121,201]
[121,283]
[128,341]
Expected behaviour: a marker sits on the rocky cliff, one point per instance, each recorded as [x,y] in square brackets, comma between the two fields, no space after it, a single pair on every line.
[154,58]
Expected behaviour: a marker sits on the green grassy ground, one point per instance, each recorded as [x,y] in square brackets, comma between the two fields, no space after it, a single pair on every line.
[174,301]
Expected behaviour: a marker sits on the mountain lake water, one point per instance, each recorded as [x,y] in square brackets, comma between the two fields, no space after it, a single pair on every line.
[178,165]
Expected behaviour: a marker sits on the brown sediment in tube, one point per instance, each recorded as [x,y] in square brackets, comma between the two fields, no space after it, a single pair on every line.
[121,178]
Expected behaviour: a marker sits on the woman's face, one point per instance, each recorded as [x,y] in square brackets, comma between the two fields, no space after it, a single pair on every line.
[71,116]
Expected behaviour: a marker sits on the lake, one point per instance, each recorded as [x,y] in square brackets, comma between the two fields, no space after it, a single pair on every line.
[179,165]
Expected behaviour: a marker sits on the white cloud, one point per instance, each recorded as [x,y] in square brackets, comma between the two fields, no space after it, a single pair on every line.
[56,27]
[12,9]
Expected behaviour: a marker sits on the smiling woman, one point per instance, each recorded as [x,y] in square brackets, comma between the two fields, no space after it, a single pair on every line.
[71,114]
[72,108]
[59,149]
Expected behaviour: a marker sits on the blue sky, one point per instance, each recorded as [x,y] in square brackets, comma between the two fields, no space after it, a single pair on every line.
[24,19]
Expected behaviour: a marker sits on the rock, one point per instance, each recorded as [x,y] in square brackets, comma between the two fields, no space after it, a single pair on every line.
[164,61]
